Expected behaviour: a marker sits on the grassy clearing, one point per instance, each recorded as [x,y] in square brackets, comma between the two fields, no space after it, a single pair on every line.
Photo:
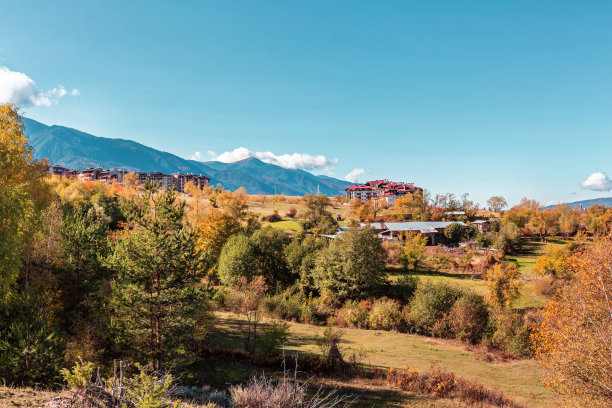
[518,379]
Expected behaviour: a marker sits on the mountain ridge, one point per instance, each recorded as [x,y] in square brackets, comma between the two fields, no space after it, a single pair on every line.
[74,149]
[607,201]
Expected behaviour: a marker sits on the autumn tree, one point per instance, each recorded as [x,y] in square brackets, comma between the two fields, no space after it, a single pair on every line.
[555,262]
[22,195]
[497,203]
[574,341]
[413,251]
[414,207]
[234,203]
[504,283]
[316,217]
[213,230]
[245,299]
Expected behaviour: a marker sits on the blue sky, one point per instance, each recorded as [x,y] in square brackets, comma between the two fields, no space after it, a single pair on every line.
[509,98]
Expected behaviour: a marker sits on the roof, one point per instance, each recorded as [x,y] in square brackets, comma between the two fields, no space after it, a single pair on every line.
[375,225]
[420,225]
[480,222]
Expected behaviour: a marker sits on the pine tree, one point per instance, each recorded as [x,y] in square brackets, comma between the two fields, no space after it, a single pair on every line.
[157,293]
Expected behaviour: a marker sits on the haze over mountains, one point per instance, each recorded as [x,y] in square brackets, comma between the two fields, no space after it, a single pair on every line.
[74,149]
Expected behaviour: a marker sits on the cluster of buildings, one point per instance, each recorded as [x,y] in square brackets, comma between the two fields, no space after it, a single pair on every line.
[176,181]
[381,191]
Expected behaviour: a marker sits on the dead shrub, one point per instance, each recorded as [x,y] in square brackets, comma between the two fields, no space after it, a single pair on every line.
[547,286]
[264,392]
[444,384]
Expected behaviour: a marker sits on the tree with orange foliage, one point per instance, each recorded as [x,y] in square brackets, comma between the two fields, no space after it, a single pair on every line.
[574,342]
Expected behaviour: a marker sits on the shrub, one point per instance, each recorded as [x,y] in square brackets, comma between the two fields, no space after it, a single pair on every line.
[79,375]
[511,333]
[274,217]
[469,317]
[354,314]
[393,250]
[547,286]
[283,306]
[431,302]
[272,337]
[291,212]
[263,392]
[439,260]
[444,384]
[403,289]
[385,315]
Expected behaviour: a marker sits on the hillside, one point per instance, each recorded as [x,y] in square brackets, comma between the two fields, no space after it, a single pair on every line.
[74,149]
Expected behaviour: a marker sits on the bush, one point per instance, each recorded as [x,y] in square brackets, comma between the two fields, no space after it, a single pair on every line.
[283,306]
[547,286]
[354,314]
[469,317]
[264,392]
[511,333]
[403,289]
[385,315]
[274,217]
[291,212]
[272,337]
[79,375]
[431,303]
[393,251]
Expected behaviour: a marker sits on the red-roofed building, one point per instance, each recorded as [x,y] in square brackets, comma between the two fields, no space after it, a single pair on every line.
[381,191]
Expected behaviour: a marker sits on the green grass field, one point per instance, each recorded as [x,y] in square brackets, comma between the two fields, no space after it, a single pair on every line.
[518,378]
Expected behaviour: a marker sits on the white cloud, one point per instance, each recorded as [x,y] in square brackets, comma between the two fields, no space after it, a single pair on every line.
[354,174]
[211,153]
[20,89]
[597,181]
[288,161]
[196,156]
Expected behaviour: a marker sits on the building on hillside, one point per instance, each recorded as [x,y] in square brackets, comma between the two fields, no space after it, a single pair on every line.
[359,192]
[58,170]
[431,229]
[90,174]
[175,181]
[484,225]
[182,179]
[382,192]
[112,176]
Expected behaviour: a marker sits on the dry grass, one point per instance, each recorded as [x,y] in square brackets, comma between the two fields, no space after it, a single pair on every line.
[516,378]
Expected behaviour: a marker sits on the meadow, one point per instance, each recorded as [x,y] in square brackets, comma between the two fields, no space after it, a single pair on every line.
[516,378]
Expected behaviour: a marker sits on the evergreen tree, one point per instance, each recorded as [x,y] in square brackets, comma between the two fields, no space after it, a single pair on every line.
[157,294]
[31,351]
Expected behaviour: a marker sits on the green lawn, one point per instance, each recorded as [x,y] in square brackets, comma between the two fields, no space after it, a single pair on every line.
[518,379]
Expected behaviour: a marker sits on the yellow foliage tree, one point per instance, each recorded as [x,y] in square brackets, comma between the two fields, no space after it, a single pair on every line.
[213,231]
[504,283]
[22,195]
[574,342]
[555,262]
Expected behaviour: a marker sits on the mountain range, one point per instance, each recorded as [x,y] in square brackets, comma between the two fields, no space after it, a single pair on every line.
[74,149]
[607,201]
